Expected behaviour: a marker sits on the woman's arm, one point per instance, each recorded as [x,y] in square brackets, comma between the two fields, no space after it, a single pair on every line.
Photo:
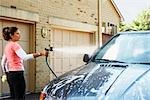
[3,63]
[23,55]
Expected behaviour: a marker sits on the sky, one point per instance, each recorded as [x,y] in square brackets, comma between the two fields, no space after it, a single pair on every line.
[131,8]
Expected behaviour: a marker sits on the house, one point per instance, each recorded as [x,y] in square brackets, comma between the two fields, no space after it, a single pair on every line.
[61,24]
[111,18]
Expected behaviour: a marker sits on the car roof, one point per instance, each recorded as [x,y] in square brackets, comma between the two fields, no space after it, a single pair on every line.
[135,32]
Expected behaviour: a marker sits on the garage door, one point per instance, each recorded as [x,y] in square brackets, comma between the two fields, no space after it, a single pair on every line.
[67,45]
[105,37]
[24,28]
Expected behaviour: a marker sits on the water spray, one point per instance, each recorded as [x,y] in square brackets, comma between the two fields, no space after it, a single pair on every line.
[50,49]
[72,50]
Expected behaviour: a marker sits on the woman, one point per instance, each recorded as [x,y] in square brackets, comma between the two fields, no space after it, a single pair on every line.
[12,62]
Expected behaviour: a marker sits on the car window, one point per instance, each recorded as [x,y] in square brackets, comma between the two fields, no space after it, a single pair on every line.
[130,48]
[140,90]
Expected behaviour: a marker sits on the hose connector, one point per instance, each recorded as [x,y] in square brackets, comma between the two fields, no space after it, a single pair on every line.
[50,49]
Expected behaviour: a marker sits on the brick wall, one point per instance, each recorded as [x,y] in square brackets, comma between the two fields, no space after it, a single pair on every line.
[78,10]
[109,14]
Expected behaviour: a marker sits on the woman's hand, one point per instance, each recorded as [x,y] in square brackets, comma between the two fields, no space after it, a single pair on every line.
[44,53]
[4,78]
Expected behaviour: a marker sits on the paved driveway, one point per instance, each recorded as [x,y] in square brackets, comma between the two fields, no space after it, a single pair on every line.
[32,96]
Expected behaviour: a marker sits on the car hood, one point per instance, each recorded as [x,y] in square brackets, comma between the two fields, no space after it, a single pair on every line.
[95,81]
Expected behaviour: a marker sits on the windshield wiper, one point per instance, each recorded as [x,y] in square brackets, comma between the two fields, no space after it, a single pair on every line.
[141,63]
[107,60]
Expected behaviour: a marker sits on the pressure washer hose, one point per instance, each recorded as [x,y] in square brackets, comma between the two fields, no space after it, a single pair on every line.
[49,66]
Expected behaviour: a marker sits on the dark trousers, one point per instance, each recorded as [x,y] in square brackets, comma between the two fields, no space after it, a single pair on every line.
[16,83]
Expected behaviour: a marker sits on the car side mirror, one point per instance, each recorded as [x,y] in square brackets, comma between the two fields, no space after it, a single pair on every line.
[86,58]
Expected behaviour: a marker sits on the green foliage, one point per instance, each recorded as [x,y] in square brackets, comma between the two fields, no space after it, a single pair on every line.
[125,27]
[142,22]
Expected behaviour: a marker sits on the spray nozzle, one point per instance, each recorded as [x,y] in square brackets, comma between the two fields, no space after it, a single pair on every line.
[50,49]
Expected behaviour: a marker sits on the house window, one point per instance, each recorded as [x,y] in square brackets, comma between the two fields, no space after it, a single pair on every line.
[103,27]
[112,29]
[115,29]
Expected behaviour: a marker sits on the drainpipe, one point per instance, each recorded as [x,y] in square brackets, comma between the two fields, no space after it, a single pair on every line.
[99,9]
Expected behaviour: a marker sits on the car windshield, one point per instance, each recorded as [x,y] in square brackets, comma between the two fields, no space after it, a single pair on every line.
[129,48]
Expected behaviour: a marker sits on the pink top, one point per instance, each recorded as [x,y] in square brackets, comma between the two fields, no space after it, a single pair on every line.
[15,63]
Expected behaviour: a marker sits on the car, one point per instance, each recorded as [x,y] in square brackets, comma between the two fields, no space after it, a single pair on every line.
[119,70]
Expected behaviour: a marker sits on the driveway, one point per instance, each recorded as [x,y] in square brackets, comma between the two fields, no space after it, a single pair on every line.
[32,96]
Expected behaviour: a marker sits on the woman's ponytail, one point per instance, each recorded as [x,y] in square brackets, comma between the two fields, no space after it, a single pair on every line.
[8,31]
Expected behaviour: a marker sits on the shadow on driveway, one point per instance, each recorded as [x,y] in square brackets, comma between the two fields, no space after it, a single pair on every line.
[32,96]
